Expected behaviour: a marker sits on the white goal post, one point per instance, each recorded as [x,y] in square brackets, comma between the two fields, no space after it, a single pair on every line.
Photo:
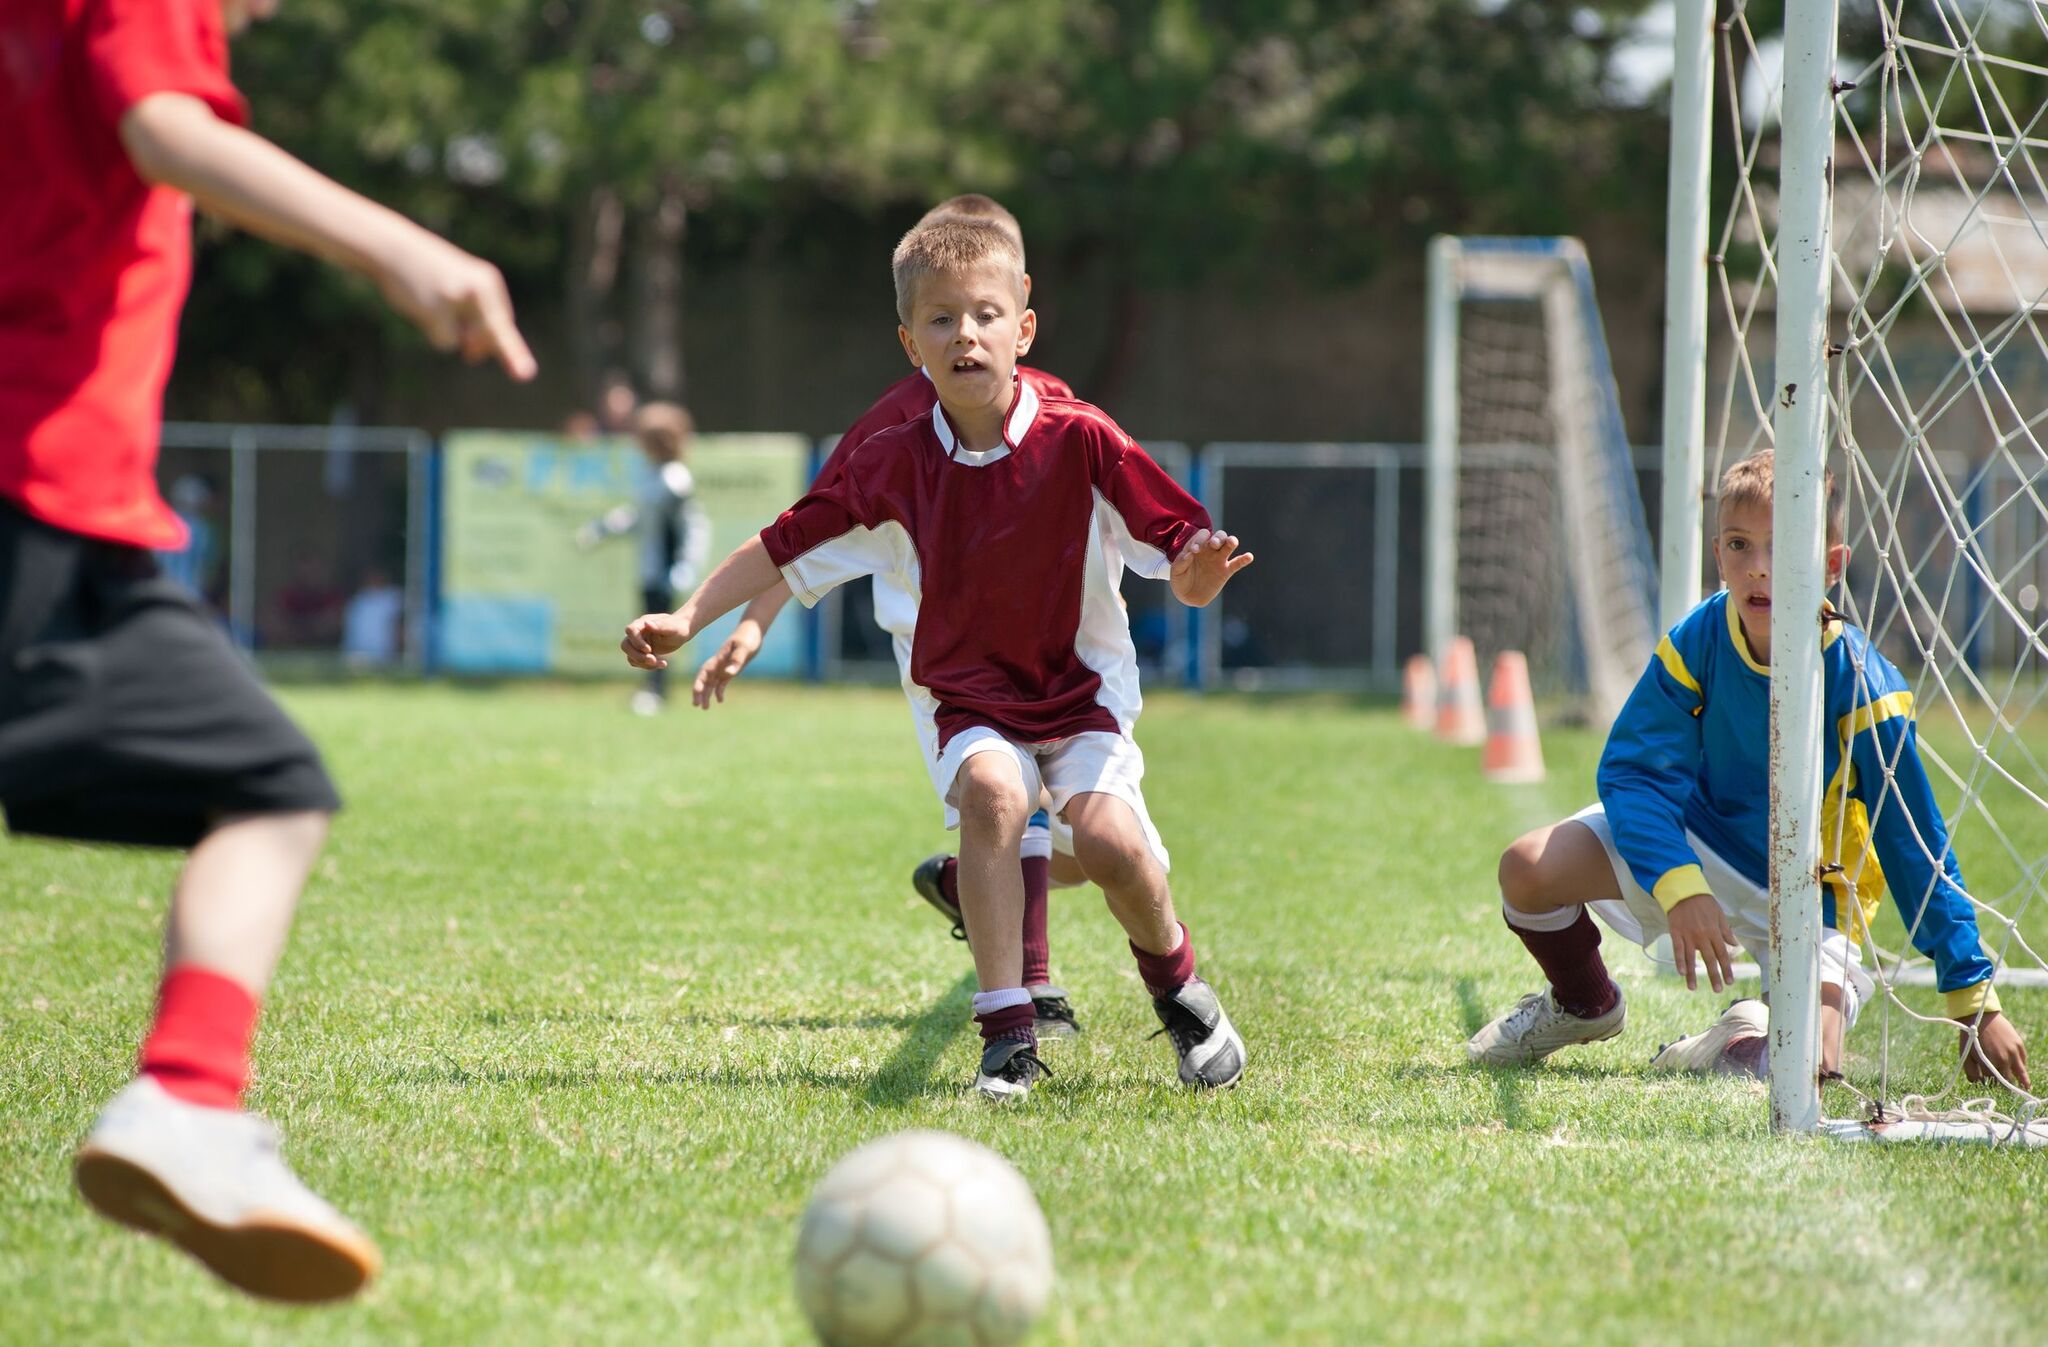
[1536,538]
[1871,303]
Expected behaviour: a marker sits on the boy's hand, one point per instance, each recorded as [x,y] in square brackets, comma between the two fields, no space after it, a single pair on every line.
[1698,926]
[651,639]
[1998,1045]
[1204,566]
[737,652]
[458,300]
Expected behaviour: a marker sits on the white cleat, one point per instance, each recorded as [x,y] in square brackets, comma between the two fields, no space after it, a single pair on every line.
[1702,1052]
[211,1181]
[1537,1027]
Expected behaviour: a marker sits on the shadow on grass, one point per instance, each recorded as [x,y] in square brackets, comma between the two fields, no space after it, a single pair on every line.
[1507,1080]
[905,1077]
[907,1073]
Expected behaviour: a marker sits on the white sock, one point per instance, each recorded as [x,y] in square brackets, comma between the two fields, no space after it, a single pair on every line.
[1037,842]
[1002,998]
[1559,920]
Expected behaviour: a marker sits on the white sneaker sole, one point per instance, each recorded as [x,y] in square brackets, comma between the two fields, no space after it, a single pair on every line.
[266,1255]
[999,1091]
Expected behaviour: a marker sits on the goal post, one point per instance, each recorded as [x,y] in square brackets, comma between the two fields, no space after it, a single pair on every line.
[1877,281]
[1536,539]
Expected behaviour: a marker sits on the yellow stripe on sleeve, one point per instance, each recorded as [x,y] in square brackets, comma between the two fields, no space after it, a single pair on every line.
[1965,1002]
[1687,881]
[1865,717]
[1674,664]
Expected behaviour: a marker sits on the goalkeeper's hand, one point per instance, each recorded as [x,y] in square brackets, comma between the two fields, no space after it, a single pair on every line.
[1699,927]
[1998,1045]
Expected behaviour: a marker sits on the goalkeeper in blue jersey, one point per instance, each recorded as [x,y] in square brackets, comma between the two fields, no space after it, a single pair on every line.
[1677,842]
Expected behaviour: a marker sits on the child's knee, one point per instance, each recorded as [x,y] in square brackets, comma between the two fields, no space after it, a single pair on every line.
[992,796]
[1113,855]
[1522,883]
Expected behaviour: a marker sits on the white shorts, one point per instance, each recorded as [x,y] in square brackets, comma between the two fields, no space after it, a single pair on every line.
[1639,918]
[923,720]
[1054,773]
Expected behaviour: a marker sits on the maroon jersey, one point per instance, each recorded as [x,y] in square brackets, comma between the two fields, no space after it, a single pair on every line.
[1012,553]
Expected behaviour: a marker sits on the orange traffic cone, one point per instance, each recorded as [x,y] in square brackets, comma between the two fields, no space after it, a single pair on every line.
[1459,719]
[1418,692]
[1513,752]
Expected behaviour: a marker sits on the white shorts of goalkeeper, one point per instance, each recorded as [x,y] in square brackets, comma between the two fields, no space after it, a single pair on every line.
[1638,917]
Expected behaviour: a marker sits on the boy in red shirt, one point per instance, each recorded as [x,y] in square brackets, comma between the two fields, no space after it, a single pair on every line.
[1045,856]
[1010,516]
[124,715]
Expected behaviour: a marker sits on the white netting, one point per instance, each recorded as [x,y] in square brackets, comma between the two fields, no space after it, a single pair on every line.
[1513,593]
[1553,553]
[1939,386]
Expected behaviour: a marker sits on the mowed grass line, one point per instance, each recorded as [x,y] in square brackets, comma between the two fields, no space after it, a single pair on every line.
[579,1007]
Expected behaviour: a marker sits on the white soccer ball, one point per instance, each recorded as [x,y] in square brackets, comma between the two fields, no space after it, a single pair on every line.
[923,1239]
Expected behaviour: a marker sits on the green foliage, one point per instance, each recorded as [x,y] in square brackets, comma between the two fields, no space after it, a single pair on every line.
[1182,139]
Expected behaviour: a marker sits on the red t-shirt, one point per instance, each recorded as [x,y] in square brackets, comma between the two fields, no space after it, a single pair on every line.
[1013,553]
[94,262]
[912,397]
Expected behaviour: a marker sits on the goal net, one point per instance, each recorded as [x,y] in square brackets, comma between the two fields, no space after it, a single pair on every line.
[1934,209]
[1537,537]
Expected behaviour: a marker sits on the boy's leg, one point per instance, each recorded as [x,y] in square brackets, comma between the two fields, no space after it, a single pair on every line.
[126,717]
[994,800]
[1546,879]
[1114,848]
[654,599]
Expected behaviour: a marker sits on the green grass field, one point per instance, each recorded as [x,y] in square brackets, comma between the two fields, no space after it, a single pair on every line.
[579,1007]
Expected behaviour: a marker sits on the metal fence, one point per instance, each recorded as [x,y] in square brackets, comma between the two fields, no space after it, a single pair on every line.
[295,526]
[310,542]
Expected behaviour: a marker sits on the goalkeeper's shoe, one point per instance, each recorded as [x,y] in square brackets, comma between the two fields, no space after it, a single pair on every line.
[1009,1068]
[1539,1026]
[211,1181]
[1706,1050]
[929,879]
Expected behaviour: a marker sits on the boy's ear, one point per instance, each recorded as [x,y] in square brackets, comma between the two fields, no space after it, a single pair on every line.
[1837,562]
[1027,332]
[909,345]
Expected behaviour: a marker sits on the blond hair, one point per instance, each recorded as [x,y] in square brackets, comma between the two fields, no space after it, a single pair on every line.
[665,429]
[952,245]
[1748,483]
[975,206]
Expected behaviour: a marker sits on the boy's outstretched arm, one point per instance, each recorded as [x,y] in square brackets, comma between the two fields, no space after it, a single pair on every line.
[739,648]
[747,572]
[1204,565]
[459,301]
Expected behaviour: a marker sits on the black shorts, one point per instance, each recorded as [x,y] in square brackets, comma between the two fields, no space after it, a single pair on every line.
[125,714]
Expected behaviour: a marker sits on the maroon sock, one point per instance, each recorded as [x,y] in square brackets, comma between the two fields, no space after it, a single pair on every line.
[1571,960]
[949,880]
[1165,974]
[1037,946]
[198,1045]
[1009,1022]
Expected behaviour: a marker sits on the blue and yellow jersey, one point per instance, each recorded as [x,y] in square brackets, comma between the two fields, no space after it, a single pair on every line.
[1690,752]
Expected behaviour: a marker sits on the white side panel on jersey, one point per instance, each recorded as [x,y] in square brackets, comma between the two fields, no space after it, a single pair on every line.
[1103,642]
[857,552]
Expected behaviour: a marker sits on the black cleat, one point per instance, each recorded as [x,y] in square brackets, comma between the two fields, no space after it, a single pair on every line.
[1009,1068]
[1210,1050]
[1054,1017]
[928,879]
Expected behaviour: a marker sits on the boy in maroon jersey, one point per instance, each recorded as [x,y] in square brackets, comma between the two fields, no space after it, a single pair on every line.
[124,714]
[1045,855]
[1010,515]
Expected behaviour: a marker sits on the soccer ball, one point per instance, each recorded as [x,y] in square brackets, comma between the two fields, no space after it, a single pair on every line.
[923,1239]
